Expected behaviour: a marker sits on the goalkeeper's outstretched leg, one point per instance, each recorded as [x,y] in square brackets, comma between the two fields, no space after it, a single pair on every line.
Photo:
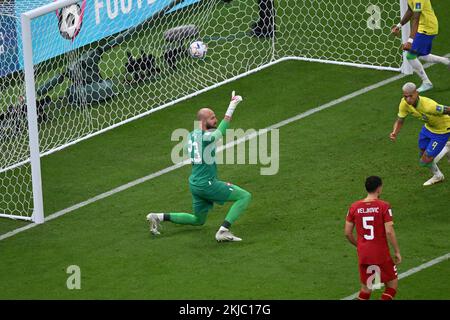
[203,201]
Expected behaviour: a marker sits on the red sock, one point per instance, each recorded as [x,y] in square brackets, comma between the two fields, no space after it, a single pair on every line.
[388,294]
[364,295]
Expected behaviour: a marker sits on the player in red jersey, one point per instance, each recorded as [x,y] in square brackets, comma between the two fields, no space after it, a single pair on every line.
[374,227]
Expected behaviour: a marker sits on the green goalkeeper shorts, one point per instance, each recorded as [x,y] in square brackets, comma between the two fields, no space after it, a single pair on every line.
[203,197]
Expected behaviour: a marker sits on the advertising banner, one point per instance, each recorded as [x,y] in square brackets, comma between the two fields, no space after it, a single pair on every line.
[73,27]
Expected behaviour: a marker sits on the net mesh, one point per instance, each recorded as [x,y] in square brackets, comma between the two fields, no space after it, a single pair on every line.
[129,57]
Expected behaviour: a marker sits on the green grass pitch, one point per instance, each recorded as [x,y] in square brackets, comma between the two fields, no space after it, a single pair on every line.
[293,247]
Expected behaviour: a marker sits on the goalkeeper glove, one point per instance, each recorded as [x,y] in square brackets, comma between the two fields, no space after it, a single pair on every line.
[233,104]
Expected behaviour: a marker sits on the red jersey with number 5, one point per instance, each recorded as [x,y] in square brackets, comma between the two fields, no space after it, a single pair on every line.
[369,218]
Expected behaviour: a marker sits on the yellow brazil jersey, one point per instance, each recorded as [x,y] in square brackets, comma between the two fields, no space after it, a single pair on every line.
[428,23]
[427,111]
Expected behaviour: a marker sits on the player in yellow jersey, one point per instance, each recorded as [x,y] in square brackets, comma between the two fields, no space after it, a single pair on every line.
[433,138]
[424,27]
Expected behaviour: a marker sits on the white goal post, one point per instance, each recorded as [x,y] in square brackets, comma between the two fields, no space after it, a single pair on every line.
[88,66]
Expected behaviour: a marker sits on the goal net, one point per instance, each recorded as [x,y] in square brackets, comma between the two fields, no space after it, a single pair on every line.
[16,194]
[95,65]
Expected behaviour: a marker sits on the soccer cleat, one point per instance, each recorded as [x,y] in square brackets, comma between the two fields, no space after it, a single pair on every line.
[155,223]
[434,180]
[425,87]
[226,235]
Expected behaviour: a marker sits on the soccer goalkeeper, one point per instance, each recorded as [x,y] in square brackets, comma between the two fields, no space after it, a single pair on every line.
[205,187]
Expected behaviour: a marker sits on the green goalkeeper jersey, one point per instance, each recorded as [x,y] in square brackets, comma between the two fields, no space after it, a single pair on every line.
[202,151]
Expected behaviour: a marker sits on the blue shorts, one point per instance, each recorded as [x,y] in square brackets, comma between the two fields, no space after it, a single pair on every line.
[432,143]
[421,45]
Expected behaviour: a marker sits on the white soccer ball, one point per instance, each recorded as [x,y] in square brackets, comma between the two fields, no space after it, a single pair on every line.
[198,49]
[70,21]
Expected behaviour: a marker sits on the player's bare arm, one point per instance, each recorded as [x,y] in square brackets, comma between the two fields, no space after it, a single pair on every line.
[390,234]
[348,231]
[406,17]
[397,126]
[414,24]
[414,28]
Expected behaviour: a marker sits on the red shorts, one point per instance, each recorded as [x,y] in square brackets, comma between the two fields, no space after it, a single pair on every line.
[387,270]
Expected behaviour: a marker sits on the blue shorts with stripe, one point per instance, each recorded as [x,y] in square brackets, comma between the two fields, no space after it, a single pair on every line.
[432,143]
[422,44]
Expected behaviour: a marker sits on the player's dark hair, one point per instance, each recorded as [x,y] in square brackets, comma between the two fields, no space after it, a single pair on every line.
[372,183]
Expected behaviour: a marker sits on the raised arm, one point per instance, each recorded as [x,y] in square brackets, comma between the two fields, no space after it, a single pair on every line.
[223,126]
[221,129]
[235,100]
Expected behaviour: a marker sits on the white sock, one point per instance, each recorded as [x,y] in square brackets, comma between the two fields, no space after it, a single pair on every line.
[418,68]
[435,170]
[222,228]
[441,154]
[436,59]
